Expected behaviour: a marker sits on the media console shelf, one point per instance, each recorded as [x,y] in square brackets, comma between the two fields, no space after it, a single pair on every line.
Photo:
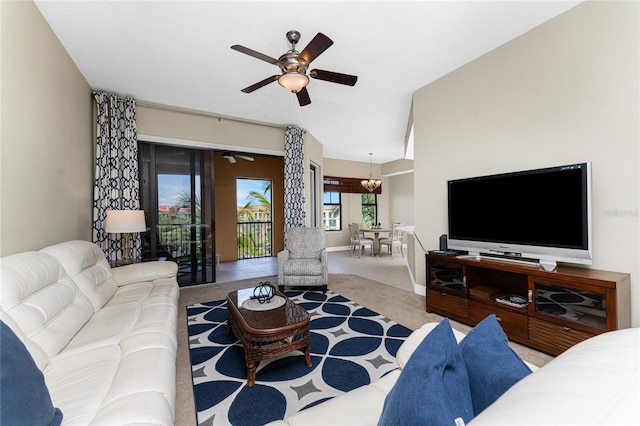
[560,308]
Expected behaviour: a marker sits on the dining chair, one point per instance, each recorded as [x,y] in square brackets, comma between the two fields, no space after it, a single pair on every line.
[357,241]
[394,240]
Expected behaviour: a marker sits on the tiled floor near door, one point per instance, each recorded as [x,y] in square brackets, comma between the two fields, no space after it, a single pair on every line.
[384,269]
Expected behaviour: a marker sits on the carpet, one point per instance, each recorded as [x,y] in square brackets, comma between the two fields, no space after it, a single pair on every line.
[351,346]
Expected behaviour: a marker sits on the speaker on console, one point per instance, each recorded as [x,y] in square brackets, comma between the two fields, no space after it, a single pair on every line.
[443,242]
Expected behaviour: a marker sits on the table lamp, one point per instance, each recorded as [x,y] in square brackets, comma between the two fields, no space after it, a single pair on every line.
[125,222]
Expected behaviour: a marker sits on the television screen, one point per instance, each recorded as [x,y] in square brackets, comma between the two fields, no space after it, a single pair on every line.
[543,213]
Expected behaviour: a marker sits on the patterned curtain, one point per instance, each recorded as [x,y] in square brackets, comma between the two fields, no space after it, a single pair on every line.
[116,173]
[293,179]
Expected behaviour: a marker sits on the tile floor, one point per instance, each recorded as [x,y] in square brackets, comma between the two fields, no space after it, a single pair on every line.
[383,268]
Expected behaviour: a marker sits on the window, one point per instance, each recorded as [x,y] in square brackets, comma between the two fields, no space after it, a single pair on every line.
[331,211]
[253,217]
[369,209]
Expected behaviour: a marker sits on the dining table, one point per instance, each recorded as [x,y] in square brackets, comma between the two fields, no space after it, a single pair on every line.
[376,237]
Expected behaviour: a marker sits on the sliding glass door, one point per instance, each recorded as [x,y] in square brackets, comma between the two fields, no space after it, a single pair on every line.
[177,196]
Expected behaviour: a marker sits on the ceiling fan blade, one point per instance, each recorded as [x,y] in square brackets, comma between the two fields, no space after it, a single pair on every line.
[244,157]
[319,44]
[255,54]
[334,77]
[303,97]
[230,158]
[260,84]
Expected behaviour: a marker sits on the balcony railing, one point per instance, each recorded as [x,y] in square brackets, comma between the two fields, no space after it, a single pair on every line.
[254,240]
[182,239]
[189,245]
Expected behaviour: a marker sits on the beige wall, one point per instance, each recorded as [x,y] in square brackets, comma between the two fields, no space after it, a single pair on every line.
[313,153]
[565,92]
[162,123]
[46,151]
[401,204]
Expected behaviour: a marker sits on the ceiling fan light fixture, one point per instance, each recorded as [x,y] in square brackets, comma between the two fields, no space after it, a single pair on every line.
[293,81]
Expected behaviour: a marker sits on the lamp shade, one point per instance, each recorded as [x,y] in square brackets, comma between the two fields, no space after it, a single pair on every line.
[124,221]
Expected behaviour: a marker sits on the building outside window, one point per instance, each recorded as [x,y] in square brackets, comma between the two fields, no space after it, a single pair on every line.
[331,211]
[369,209]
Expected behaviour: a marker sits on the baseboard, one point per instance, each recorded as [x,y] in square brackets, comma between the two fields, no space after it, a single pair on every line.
[338,248]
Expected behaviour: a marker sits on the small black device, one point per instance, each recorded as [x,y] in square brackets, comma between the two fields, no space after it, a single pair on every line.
[443,242]
[445,252]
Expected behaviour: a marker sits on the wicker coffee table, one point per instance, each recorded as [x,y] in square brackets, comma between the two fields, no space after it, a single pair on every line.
[268,333]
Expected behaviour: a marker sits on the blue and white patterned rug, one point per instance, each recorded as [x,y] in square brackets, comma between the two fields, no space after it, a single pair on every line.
[350,346]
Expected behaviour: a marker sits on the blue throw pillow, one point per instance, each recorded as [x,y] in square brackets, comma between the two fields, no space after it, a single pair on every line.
[24,397]
[433,388]
[493,367]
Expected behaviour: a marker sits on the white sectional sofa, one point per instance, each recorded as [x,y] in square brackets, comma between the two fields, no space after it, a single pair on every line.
[596,382]
[104,338]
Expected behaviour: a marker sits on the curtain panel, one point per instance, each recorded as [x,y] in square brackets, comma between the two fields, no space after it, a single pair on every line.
[294,213]
[116,170]
[347,185]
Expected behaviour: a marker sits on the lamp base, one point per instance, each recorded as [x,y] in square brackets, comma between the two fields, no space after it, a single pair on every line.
[126,250]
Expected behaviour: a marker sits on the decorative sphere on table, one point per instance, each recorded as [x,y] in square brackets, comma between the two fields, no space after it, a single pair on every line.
[264,292]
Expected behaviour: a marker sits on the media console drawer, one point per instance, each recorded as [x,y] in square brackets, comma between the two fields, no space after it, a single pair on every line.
[513,323]
[554,338]
[441,301]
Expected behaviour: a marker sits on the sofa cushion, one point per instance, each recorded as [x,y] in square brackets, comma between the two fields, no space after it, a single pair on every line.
[24,397]
[43,301]
[87,266]
[492,366]
[433,387]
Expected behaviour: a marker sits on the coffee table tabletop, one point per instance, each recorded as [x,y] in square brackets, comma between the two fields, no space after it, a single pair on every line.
[268,333]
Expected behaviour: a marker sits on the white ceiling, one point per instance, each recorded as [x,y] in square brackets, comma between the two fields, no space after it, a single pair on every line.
[178,53]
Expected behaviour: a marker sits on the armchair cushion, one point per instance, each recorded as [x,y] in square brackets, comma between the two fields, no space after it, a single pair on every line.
[305,243]
[303,267]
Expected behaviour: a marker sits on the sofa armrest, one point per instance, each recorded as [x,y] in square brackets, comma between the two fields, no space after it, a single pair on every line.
[144,271]
[595,382]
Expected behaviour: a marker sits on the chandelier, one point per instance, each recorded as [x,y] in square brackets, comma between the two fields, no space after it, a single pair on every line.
[371,184]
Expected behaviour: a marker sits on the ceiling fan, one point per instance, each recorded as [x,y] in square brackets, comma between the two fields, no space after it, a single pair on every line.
[232,157]
[293,66]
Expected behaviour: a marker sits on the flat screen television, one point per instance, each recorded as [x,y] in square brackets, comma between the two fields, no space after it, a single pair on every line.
[540,215]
